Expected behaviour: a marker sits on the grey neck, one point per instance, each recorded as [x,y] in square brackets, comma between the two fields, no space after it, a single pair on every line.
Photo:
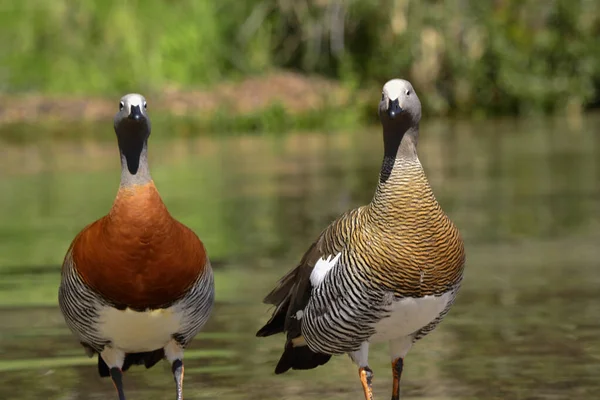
[400,144]
[134,162]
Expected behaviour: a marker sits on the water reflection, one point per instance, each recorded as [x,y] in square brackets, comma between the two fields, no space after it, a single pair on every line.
[525,195]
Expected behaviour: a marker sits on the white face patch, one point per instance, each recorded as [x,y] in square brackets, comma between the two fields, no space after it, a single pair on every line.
[395,88]
[133,99]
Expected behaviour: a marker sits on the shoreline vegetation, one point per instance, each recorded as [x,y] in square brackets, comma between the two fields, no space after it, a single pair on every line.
[274,103]
[294,94]
[267,65]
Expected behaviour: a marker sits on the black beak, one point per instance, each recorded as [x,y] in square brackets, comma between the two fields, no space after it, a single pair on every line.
[394,108]
[135,113]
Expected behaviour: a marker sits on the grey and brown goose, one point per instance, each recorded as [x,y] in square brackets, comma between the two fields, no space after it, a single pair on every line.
[136,285]
[388,271]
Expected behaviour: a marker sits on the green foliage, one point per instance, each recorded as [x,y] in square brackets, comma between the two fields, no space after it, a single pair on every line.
[111,46]
[465,56]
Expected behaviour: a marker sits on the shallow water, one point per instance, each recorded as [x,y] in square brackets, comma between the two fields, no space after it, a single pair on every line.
[525,195]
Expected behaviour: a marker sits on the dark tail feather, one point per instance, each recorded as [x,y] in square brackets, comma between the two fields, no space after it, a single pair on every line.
[277,322]
[300,357]
[281,292]
[103,370]
[148,359]
[293,289]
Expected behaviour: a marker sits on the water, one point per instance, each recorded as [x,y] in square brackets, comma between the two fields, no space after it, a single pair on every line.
[525,195]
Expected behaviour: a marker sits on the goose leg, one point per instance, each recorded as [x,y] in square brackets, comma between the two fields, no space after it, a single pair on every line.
[117,377]
[177,368]
[174,353]
[114,359]
[398,349]
[361,358]
[397,366]
[366,378]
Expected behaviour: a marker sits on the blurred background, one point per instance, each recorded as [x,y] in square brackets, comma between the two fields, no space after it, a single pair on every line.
[264,130]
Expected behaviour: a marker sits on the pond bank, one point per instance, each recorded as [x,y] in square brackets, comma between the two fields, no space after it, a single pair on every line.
[294,94]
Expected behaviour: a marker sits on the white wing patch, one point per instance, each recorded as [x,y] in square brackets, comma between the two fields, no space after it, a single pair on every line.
[322,267]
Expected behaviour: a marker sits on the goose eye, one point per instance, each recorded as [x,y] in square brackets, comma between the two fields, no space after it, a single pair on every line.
[408,92]
[121,106]
[145,105]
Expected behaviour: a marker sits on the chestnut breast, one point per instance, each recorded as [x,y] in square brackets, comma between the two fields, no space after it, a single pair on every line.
[139,256]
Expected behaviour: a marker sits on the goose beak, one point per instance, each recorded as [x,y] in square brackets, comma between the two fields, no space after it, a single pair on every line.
[394,108]
[135,113]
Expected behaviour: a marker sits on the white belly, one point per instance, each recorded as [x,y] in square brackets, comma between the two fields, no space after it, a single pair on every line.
[409,315]
[133,331]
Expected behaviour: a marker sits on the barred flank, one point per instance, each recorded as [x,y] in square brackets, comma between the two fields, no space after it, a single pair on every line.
[400,245]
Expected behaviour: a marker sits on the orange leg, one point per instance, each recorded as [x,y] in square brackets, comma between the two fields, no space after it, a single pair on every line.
[397,366]
[117,377]
[177,369]
[366,378]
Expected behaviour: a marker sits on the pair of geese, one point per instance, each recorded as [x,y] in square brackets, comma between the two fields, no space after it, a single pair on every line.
[137,285]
